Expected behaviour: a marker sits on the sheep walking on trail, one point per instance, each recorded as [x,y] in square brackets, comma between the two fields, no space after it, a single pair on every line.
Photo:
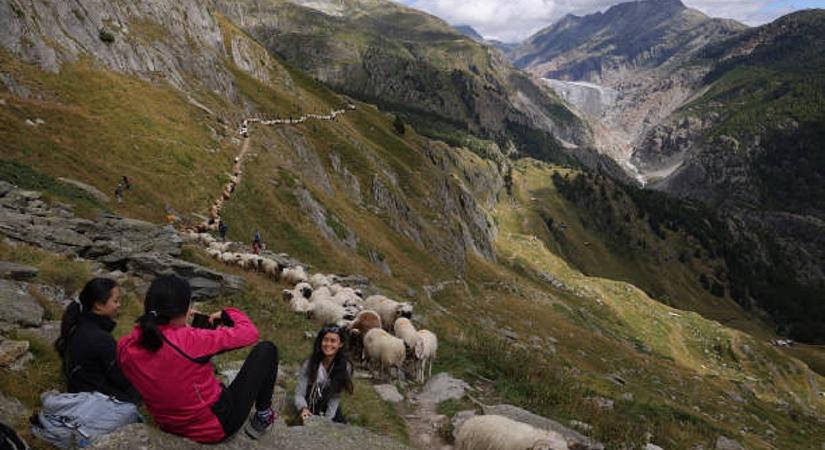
[384,349]
[294,275]
[405,330]
[364,321]
[389,310]
[424,353]
[492,432]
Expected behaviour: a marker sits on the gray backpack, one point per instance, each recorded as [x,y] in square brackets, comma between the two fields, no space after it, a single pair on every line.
[76,420]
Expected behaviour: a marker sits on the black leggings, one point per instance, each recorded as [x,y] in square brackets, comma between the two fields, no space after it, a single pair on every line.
[253,384]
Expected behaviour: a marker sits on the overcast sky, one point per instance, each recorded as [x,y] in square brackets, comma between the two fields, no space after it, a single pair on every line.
[515,20]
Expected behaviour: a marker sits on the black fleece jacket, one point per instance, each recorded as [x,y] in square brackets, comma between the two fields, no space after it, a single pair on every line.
[90,362]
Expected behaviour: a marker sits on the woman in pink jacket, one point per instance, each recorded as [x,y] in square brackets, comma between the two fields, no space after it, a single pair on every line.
[169,364]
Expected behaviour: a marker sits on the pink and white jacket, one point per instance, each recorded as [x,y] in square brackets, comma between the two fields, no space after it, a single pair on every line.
[177,382]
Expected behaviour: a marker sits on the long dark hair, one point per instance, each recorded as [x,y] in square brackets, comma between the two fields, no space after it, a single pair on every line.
[340,378]
[96,291]
[168,297]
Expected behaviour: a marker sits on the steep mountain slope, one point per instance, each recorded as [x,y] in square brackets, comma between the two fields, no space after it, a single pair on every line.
[463,237]
[752,145]
[417,65]
[637,49]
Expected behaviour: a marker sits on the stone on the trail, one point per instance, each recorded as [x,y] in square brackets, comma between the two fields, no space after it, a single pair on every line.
[17,306]
[652,447]
[11,410]
[574,439]
[11,351]
[19,272]
[388,393]
[724,443]
[443,387]
[318,433]
[605,404]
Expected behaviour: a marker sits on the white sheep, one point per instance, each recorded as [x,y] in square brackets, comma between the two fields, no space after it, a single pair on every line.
[321,294]
[227,258]
[297,302]
[347,298]
[492,432]
[405,330]
[326,312]
[318,279]
[389,310]
[271,268]
[424,353]
[294,275]
[385,349]
[213,253]
[220,246]
[304,288]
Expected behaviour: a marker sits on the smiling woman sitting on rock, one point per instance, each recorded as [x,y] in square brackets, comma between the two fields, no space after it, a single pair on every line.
[324,377]
[169,362]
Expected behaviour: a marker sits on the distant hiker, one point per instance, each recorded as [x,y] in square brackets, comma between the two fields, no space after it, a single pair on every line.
[324,377]
[222,229]
[86,344]
[256,243]
[122,187]
[169,362]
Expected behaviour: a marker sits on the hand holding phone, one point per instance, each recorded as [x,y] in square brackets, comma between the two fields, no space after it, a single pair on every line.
[206,321]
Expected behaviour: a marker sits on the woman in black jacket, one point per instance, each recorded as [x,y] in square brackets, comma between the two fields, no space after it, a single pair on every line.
[87,346]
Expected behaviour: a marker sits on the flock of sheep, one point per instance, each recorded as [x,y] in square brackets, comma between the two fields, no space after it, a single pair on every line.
[379,328]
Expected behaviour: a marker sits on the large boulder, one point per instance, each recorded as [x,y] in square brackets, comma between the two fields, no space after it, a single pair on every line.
[316,434]
[17,306]
[574,439]
[205,283]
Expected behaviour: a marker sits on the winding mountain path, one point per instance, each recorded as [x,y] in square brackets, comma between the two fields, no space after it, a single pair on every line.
[214,216]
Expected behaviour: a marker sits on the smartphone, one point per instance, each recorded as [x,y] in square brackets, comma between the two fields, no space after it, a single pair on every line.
[202,321]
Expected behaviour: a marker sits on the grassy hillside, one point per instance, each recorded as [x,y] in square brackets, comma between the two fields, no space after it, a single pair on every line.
[575,332]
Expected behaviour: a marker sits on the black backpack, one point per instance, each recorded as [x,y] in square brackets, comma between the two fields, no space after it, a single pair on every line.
[10,440]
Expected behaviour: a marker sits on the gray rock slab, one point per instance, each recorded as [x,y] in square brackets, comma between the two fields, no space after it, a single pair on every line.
[17,306]
[521,415]
[316,434]
[205,283]
[19,272]
[443,387]
[91,190]
[388,393]
[11,351]
[724,443]
[11,410]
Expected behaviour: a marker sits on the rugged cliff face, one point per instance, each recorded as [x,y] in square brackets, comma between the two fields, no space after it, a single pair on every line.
[415,64]
[638,49]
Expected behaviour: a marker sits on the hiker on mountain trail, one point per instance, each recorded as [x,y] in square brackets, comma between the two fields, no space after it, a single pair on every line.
[222,229]
[324,377]
[256,243]
[122,187]
[169,363]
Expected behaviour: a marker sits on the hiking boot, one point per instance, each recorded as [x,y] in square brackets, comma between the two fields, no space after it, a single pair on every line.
[260,422]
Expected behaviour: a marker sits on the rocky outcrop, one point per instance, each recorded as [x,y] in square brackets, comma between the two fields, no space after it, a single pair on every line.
[181,41]
[316,434]
[17,272]
[117,242]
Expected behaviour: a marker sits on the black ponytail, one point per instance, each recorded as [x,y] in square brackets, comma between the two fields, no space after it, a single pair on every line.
[168,298]
[96,291]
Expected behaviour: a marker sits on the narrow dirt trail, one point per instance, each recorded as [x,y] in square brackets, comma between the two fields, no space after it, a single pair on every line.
[214,216]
